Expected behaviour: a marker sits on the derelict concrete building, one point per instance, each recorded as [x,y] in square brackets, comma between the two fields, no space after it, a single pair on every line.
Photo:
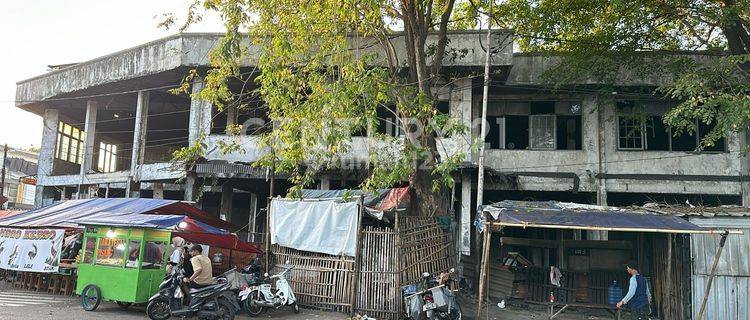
[111,125]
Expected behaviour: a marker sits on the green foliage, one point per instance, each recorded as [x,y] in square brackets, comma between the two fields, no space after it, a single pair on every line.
[322,75]
[602,40]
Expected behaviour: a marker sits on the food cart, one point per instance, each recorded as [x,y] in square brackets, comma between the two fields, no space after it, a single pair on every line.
[125,265]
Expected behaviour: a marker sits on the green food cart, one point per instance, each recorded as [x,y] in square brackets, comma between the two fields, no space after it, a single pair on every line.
[125,265]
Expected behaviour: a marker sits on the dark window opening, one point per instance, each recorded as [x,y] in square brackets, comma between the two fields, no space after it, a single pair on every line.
[569,133]
[443,108]
[494,134]
[517,132]
[542,107]
[685,141]
[657,134]
[387,121]
[704,130]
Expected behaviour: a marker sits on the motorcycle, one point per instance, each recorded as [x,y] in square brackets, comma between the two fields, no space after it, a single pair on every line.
[257,299]
[215,302]
[433,298]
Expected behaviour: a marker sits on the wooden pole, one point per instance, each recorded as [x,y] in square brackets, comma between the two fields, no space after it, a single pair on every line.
[483,126]
[668,283]
[711,274]
[357,255]
[483,268]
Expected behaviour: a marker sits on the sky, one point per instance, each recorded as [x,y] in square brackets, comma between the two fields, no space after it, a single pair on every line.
[37,33]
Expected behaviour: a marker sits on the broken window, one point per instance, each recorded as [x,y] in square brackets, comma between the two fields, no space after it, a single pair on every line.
[641,127]
[542,132]
[538,125]
[69,143]
[107,157]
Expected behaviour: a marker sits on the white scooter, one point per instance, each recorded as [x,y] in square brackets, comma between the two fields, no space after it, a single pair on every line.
[257,299]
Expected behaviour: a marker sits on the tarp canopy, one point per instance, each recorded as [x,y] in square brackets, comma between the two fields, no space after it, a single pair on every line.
[183,226]
[198,227]
[562,215]
[63,213]
[378,204]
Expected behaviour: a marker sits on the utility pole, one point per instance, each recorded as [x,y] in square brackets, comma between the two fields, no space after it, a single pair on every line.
[2,175]
[480,178]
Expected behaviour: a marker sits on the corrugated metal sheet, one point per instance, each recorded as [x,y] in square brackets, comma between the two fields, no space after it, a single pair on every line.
[735,259]
[728,299]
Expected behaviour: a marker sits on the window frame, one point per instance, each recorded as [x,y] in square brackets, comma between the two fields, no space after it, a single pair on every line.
[69,140]
[644,141]
[554,131]
[107,159]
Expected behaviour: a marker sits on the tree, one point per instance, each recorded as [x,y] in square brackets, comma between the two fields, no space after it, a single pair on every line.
[326,67]
[601,38]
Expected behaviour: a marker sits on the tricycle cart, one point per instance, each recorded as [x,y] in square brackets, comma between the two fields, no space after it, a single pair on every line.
[125,265]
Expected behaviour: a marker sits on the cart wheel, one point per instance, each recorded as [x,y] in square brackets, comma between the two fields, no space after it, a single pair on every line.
[91,297]
[124,305]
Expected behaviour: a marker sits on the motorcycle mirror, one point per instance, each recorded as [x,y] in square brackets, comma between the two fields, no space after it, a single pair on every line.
[265,274]
[426,275]
[288,262]
[453,270]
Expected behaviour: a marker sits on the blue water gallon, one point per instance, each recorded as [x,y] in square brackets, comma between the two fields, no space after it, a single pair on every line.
[614,294]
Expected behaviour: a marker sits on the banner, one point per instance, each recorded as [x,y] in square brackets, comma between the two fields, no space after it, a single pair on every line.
[325,226]
[35,250]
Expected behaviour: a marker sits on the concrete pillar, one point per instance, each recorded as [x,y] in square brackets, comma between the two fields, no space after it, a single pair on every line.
[253,213]
[158,190]
[601,183]
[225,211]
[46,161]
[88,140]
[139,144]
[743,139]
[231,115]
[461,108]
[200,113]
[325,183]
[465,225]
[191,187]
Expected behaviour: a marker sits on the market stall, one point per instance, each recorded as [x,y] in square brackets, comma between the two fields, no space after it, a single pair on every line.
[148,224]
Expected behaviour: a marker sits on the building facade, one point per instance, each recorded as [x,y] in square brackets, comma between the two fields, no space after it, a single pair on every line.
[111,125]
[20,178]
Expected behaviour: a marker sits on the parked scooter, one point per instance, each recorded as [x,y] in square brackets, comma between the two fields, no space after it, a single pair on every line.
[257,299]
[433,298]
[216,302]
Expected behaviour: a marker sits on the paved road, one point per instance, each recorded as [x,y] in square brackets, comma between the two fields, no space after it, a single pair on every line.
[26,305]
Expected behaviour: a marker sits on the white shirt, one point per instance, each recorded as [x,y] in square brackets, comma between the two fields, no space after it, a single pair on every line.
[176,256]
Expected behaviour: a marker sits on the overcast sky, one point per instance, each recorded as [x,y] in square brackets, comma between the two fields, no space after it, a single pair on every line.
[37,33]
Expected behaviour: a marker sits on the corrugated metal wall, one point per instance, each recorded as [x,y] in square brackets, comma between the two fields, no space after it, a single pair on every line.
[729,298]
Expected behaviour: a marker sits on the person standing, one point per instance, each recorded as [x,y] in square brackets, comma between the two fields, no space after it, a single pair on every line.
[638,296]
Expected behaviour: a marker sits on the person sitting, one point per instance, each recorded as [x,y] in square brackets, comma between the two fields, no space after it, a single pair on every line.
[202,270]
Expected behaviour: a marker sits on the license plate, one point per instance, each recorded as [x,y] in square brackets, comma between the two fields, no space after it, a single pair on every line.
[429,306]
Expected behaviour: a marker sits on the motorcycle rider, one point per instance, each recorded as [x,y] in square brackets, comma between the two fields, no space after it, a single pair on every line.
[202,270]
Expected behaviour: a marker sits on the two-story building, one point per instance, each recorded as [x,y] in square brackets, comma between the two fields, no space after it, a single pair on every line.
[111,125]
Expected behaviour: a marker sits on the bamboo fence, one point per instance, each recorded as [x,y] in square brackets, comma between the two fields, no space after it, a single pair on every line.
[388,260]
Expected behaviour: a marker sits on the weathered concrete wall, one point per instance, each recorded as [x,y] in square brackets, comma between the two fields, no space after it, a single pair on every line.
[192,50]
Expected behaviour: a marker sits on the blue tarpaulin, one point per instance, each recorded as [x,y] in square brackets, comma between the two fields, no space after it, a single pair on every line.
[65,213]
[562,215]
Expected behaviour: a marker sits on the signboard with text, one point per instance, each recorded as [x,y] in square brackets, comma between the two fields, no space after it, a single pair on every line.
[35,250]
